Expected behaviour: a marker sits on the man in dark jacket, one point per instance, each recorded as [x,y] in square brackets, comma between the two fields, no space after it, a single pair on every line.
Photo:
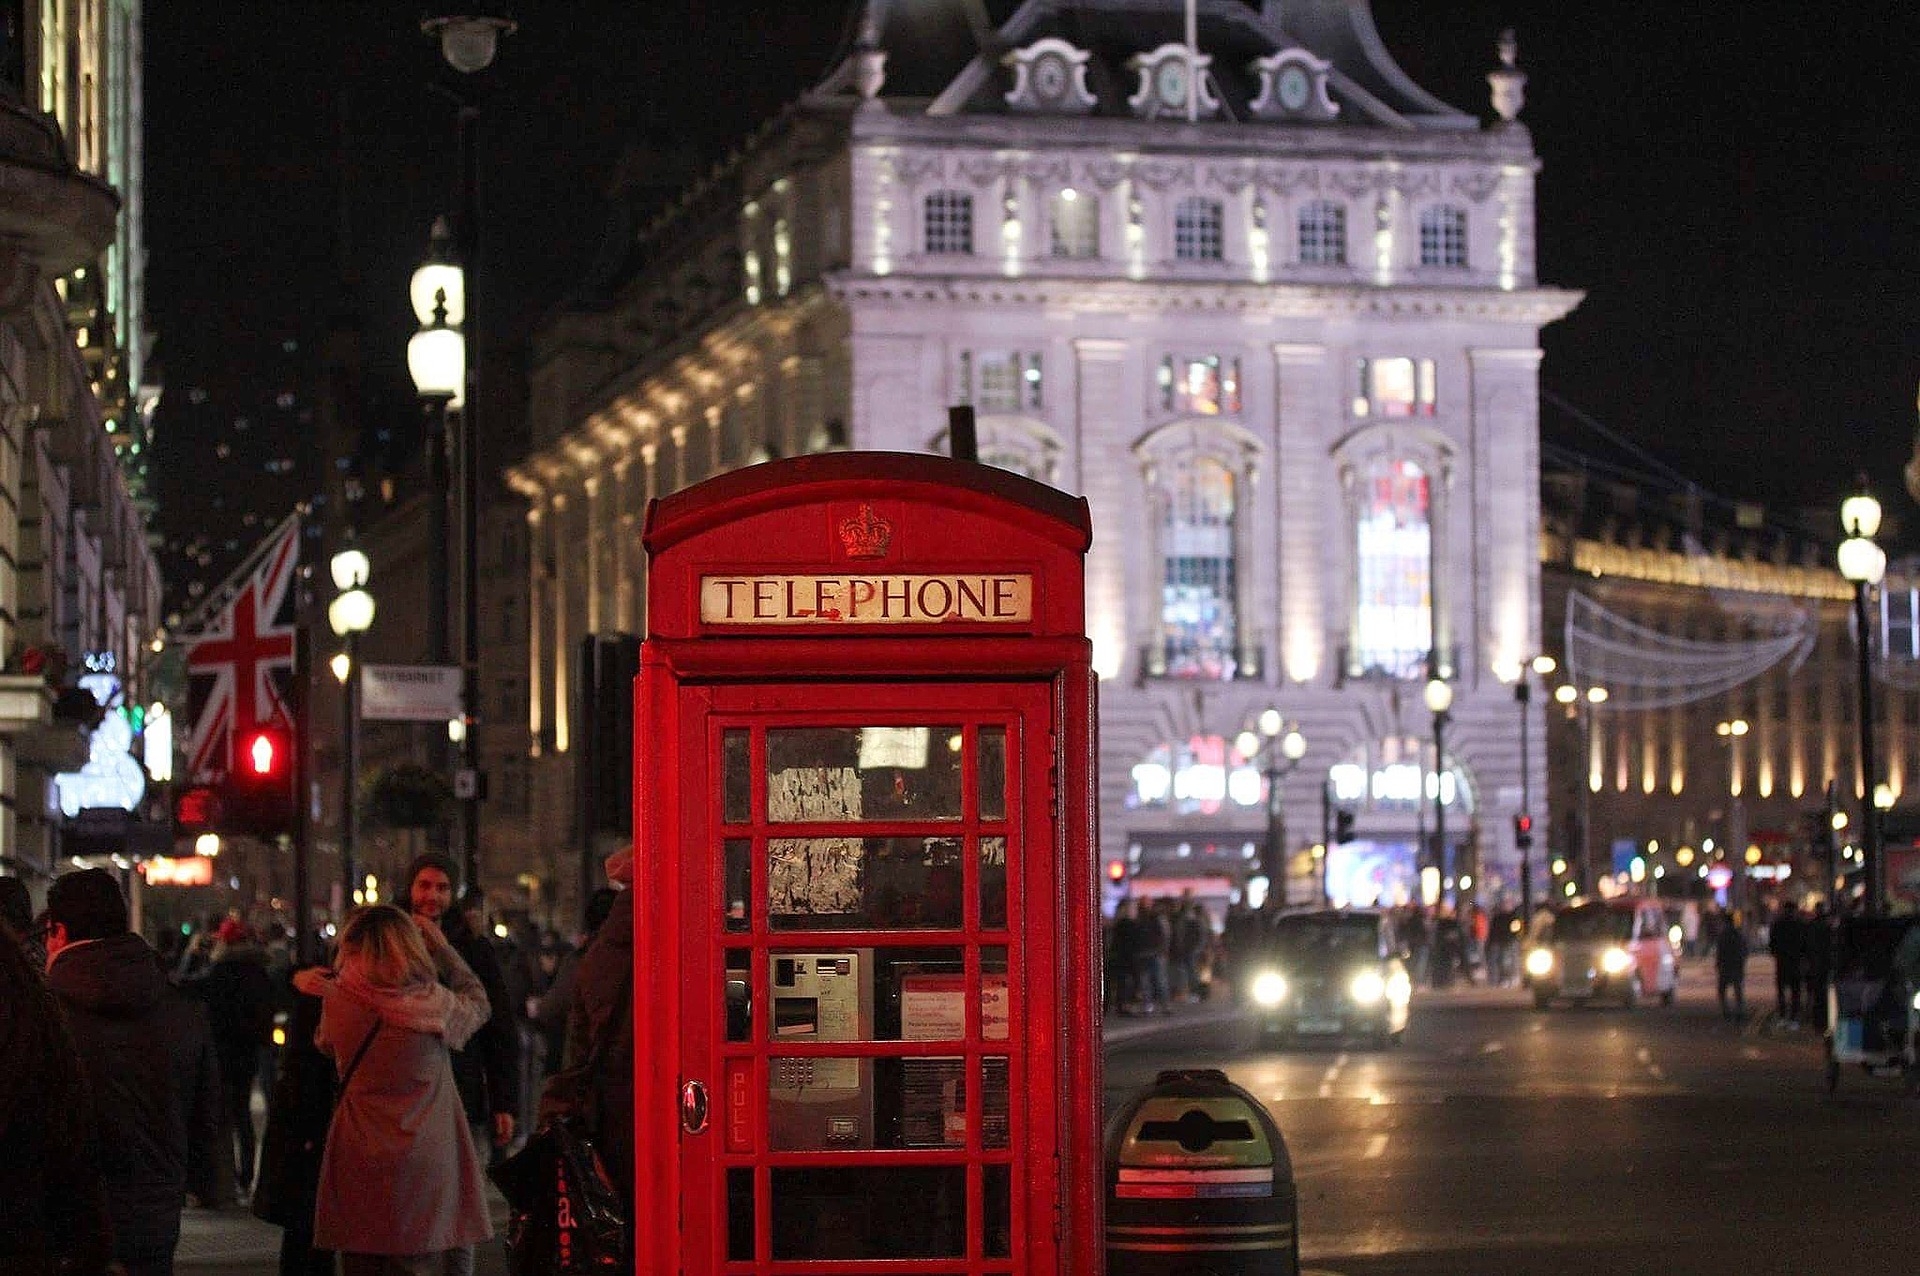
[1730,967]
[238,994]
[486,1069]
[596,1083]
[1787,941]
[147,1055]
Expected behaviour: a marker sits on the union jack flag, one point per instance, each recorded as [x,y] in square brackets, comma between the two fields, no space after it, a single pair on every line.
[240,666]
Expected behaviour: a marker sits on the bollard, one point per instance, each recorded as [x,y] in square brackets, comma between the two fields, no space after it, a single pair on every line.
[1199,1183]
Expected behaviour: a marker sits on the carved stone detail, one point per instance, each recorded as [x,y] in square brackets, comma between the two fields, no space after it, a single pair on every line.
[1159,174]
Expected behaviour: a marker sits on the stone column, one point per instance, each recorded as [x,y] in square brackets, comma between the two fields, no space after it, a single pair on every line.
[1300,490]
[623,528]
[1101,409]
[540,609]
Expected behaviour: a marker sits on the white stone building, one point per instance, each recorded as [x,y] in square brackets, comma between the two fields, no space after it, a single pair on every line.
[1271,309]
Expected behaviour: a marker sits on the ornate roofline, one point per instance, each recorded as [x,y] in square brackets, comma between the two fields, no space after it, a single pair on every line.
[1536,306]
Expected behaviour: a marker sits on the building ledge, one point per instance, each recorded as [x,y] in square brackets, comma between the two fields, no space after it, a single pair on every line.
[59,216]
[25,703]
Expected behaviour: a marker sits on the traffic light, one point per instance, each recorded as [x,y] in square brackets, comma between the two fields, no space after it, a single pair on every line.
[1116,872]
[198,810]
[259,797]
[1523,831]
[1342,827]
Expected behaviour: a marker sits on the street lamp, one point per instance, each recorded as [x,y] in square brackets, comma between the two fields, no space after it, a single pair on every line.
[469,38]
[437,359]
[349,615]
[1864,563]
[1439,696]
[1280,748]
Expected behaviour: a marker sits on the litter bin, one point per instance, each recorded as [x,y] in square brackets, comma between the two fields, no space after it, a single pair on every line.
[1199,1183]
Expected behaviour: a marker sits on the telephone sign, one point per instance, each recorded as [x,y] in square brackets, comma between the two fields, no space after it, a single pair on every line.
[866,924]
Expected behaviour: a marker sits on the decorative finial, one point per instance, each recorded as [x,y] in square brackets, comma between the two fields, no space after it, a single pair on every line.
[869,59]
[1508,81]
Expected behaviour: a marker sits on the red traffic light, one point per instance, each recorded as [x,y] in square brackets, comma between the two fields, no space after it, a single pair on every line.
[1116,871]
[1523,831]
[264,754]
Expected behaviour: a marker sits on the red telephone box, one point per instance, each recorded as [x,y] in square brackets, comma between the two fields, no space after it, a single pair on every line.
[866,1017]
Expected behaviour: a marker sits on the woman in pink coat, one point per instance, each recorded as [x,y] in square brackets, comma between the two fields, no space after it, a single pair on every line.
[399,1182]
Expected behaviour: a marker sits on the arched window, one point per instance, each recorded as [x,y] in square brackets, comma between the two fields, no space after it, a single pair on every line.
[1443,236]
[1323,234]
[947,226]
[1076,224]
[1197,230]
[1199,603]
[1393,555]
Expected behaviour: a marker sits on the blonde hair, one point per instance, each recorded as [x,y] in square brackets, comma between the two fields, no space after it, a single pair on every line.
[385,945]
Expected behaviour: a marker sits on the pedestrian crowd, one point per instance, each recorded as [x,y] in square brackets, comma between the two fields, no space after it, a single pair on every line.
[427,1047]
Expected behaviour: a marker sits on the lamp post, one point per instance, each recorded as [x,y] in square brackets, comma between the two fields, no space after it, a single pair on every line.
[1523,827]
[1729,731]
[437,359]
[1439,696]
[1579,704]
[1280,749]
[349,615]
[1864,563]
[468,44]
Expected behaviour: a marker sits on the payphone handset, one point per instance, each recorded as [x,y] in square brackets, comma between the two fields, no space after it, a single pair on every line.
[821,1103]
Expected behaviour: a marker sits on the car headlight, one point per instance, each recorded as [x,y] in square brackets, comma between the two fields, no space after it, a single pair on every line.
[1540,962]
[1615,961]
[1676,936]
[1269,989]
[1367,987]
[1916,1001]
[1399,988]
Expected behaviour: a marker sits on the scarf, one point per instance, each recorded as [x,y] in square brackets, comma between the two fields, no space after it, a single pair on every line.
[421,1007]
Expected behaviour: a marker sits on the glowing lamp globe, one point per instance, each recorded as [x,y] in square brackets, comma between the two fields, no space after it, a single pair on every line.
[350,569]
[351,612]
[1860,515]
[437,358]
[1862,561]
[1439,696]
[1293,746]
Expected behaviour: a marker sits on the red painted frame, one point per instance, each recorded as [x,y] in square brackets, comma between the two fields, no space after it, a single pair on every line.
[946,517]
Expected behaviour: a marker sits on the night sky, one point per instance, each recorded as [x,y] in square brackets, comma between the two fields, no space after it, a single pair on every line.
[1736,187]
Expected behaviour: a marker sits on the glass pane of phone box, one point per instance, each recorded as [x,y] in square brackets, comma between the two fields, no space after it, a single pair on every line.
[856,1212]
[867,994]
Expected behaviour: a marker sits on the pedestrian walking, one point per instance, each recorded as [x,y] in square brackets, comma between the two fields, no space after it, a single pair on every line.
[298,1112]
[238,995]
[595,1081]
[52,1207]
[553,1006]
[1817,966]
[147,1056]
[1787,941]
[401,1189]
[1730,967]
[16,910]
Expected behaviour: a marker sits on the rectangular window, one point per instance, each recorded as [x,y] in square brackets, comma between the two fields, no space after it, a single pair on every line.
[1003,381]
[1393,551]
[1200,385]
[1076,225]
[948,228]
[1443,237]
[1197,230]
[1198,599]
[1395,387]
[1323,234]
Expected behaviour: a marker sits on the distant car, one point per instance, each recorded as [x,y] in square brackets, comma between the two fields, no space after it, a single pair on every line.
[1616,949]
[1330,975]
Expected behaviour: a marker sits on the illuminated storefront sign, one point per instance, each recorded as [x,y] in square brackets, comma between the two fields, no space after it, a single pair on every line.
[193,870]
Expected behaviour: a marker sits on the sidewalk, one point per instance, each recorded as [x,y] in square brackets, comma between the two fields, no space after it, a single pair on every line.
[234,1240]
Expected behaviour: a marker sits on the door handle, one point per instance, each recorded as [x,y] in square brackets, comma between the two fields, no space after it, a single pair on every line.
[694,1107]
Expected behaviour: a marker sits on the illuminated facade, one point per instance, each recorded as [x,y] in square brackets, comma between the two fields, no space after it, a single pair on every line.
[77,578]
[1287,349]
[1732,746]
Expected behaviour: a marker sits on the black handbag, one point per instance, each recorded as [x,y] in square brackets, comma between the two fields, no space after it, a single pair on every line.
[565,1216]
